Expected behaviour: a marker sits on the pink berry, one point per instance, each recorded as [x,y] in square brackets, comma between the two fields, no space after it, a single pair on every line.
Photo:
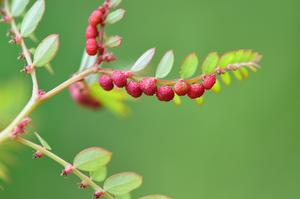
[80,93]
[148,86]
[209,81]
[181,88]
[119,78]
[95,18]
[106,82]
[133,89]
[165,93]
[196,91]
[91,47]
[91,32]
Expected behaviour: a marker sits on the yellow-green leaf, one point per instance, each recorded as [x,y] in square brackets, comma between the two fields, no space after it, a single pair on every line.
[189,66]
[210,63]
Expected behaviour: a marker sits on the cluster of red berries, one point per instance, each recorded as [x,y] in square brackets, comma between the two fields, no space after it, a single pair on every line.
[149,87]
[94,44]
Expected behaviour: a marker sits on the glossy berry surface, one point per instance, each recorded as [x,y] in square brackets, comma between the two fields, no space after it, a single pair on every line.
[165,93]
[91,32]
[209,81]
[91,47]
[133,89]
[196,91]
[95,18]
[106,82]
[148,86]
[181,88]
[119,78]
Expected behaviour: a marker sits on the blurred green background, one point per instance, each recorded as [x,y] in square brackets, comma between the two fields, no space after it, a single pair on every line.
[242,144]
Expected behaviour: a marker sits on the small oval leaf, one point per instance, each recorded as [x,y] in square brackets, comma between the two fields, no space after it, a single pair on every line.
[122,183]
[115,3]
[113,41]
[125,196]
[166,64]
[217,87]
[99,175]
[92,159]
[155,197]
[32,18]
[189,66]
[42,141]
[210,63]
[46,51]
[18,7]
[226,78]
[115,16]
[143,61]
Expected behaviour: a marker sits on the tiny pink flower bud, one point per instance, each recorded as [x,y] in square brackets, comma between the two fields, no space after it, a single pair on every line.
[106,82]
[98,194]
[6,19]
[119,78]
[18,39]
[133,89]
[209,81]
[28,69]
[108,57]
[196,91]
[83,185]
[38,155]
[20,128]
[165,93]
[148,86]
[41,93]
[68,170]
[181,88]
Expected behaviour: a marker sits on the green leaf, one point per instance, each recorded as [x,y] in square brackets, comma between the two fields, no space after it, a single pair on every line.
[18,7]
[115,16]
[42,141]
[92,159]
[200,101]
[226,59]
[122,183]
[238,75]
[165,65]
[113,41]
[217,87]
[244,72]
[189,66]
[115,3]
[177,100]
[144,60]
[155,197]
[46,51]
[32,18]
[99,175]
[210,63]
[125,196]
[226,78]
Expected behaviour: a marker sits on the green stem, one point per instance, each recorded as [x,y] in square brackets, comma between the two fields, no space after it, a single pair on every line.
[64,163]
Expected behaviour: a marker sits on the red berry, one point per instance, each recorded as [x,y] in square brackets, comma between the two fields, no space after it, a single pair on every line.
[95,18]
[196,91]
[91,47]
[119,78]
[133,89]
[91,32]
[148,86]
[181,88]
[106,82]
[165,93]
[209,81]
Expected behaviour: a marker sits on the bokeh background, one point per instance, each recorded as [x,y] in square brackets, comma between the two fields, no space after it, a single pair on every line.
[242,144]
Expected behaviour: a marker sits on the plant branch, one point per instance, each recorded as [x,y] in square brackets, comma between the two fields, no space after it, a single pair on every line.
[25,50]
[64,163]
